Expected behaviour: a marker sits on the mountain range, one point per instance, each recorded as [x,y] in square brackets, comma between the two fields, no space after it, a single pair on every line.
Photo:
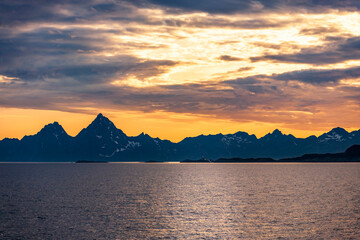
[102,141]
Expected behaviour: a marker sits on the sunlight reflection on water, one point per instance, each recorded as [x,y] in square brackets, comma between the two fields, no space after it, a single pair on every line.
[184,201]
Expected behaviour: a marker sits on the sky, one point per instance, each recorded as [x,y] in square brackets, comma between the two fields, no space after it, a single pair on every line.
[174,69]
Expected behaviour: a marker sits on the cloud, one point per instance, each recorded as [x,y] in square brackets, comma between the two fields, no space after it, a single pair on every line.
[229,58]
[75,55]
[200,98]
[310,76]
[265,98]
[252,6]
[119,67]
[221,22]
[21,11]
[319,30]
[320,76]
[212,6]
[340,51]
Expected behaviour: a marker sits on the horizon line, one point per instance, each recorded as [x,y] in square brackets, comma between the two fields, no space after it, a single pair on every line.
[219,133]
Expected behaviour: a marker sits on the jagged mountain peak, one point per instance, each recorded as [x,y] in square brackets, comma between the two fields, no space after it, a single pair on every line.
[239,133]
[101,139]
[338,130]
[143,136]
[238,138]
[101,127]
[277,135]
[53,128]
[277,132]
[52,137]
[102,124]
[101,119]
[337,134]
[52,125]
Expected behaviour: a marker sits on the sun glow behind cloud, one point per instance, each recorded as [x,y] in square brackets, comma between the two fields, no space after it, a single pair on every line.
[201,46]
[286,67]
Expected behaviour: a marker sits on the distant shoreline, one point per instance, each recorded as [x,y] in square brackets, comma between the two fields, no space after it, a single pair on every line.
[87,161]
[184,162]
[275,161]
[352,154]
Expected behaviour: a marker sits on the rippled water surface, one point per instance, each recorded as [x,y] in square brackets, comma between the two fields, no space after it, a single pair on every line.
[179,201]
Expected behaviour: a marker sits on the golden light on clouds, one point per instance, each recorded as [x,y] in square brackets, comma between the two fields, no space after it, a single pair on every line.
[190,71]
[5,79]
[351,82]
[201,47]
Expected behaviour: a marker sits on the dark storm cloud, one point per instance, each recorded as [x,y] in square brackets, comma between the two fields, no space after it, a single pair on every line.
[339,51]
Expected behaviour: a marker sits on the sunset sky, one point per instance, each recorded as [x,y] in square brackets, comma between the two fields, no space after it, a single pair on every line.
[175,68]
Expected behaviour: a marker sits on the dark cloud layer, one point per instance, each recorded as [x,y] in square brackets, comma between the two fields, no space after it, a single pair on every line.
[339,51]
[320,76]
[224,98]
[15,12]
[233,6]
[20,12]
[310,76]
[51,62]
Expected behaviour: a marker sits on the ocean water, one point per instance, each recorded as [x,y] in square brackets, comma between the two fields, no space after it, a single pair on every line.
[179,201]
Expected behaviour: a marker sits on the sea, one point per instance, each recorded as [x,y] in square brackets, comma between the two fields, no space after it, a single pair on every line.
[180,201]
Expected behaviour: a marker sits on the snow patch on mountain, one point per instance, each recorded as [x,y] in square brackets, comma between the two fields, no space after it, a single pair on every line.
[130,144]
[111,155]
[229,139]
[332,137]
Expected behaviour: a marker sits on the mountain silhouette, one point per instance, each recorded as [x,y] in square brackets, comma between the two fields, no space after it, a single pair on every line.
[352,154]
[103,141]
[100,139]
[52,142]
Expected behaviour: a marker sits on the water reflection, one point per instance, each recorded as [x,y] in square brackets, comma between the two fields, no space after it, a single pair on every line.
[184,201]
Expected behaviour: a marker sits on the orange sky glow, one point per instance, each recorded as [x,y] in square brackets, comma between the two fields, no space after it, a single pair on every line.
[174,72]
